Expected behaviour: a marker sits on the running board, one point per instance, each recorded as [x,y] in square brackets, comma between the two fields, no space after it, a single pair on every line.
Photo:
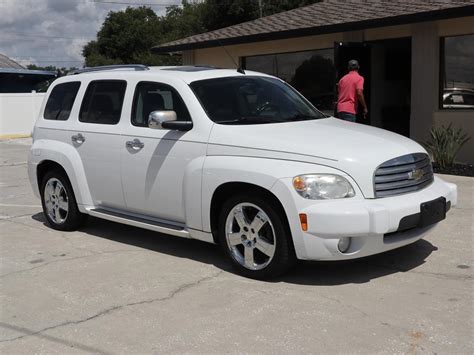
[139,222]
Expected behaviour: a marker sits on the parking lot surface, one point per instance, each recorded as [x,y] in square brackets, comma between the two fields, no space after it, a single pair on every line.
[110,288]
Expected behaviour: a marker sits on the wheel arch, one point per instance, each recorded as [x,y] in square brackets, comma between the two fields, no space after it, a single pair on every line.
[57,155]
[47,165]
[225,190]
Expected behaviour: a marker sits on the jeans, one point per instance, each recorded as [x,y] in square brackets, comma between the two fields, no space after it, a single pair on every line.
[347,116]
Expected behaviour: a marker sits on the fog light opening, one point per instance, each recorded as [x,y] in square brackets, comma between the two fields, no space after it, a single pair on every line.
[344,244]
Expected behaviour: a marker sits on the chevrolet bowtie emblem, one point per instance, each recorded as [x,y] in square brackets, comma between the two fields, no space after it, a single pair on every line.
[416,174]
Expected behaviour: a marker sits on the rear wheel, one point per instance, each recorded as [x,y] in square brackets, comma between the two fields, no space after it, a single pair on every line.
[255,236]
[59,202]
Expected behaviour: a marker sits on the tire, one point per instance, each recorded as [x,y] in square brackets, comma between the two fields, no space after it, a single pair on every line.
[59,202]
[255,236]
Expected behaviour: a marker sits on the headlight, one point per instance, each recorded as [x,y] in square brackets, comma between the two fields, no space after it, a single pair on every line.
[323,186]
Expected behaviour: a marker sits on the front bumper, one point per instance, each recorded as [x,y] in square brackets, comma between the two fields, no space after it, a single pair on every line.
[372,223]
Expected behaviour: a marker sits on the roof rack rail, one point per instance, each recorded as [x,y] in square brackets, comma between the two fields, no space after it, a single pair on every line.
[136,67]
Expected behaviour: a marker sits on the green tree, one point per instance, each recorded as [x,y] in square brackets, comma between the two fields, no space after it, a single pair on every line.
[184,21]
[43,86]
[127,36]
[60,71]
[270,7]
[219,14]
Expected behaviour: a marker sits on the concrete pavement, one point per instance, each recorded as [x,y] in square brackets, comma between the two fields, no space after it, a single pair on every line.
[111,288]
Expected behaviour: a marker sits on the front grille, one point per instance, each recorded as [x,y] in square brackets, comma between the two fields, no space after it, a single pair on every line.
[404,174]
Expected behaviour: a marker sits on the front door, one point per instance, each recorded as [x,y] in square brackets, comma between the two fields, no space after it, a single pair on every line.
[343,53]
[154,161]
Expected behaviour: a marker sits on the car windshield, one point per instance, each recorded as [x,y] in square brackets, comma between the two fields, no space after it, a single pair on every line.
[252,100]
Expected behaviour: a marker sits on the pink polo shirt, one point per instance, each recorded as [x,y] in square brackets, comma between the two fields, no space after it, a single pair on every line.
[347,99]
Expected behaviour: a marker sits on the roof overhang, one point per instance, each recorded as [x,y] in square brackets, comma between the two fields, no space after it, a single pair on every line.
[311,31]
[19,72]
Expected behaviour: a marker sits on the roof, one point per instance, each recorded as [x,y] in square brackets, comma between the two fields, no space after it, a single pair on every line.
[6,62]
[187,74]
[327,16]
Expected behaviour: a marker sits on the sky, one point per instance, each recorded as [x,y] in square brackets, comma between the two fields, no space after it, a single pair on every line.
[53,32]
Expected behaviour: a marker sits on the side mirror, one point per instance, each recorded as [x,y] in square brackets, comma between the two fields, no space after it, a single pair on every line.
[157,118]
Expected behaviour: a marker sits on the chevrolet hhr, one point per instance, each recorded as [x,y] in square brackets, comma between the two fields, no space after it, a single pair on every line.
[236,158]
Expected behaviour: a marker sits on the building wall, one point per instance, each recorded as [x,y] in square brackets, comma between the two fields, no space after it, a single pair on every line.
[217,56]
[424,79]
[425,111]
[459,118]
[18,113]
[425,36]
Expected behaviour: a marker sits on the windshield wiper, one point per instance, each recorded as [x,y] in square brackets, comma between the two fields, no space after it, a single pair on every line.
[301,117]
[251,120]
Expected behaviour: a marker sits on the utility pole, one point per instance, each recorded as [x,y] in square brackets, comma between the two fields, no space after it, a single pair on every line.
[260,8]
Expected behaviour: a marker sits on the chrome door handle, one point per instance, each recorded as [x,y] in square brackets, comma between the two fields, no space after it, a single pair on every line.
[136,144]
[78,139]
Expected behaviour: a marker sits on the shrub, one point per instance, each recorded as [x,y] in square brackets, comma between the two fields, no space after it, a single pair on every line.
[445,143]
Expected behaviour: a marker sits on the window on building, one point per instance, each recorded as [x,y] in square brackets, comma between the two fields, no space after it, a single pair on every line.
[311,72]
[60,101]
[103,101]
[457,72]
[150,96]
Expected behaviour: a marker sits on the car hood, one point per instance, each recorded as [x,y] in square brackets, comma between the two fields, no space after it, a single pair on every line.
[353,148]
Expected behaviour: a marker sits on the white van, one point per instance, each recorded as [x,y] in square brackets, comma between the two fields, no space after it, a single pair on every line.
[239,159]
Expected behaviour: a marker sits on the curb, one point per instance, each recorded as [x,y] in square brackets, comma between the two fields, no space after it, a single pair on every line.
[5,137]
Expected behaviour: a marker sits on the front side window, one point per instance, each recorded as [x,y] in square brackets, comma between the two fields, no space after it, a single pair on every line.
[60,101]
[152,96]
[103,102]
[252,100]
[457,72]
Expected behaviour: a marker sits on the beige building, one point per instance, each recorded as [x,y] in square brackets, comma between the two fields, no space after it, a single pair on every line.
[417,58]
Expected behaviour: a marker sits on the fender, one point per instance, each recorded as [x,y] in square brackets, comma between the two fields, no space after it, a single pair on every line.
[192,193]
[264,172]
[66,156]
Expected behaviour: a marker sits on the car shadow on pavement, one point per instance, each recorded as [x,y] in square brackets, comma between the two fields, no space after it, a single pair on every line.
[305,273]
[361,270]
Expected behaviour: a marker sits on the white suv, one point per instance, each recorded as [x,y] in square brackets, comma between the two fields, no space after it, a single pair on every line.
[239,159]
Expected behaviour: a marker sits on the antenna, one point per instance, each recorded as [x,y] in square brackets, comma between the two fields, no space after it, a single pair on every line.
[239,69]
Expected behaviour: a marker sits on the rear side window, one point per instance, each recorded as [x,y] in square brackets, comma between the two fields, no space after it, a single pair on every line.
[152,96]
[60,101]
[103,102]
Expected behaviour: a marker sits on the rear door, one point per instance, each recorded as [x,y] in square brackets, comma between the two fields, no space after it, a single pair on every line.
[96,136]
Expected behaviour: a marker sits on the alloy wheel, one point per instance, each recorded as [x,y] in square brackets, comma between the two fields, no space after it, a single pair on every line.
[56,200]
[250,236]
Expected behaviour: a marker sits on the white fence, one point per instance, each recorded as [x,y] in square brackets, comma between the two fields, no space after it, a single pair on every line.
[18,112]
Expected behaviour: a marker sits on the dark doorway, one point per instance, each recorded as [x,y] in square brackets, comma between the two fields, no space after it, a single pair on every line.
[360,51]
[391,85]
[386,68]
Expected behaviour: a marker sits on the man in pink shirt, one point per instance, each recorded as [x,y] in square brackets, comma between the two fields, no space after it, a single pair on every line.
[351,91]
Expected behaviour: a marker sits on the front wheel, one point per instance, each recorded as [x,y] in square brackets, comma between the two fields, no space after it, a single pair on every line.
[255,236]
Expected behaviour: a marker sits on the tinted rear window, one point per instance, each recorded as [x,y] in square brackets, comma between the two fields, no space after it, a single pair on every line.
[103,102]
[60,101]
